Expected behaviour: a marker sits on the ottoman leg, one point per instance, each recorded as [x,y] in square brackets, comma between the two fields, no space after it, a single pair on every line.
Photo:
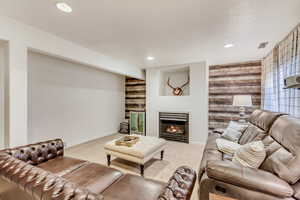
[162,155]
[108,159]
[142,170]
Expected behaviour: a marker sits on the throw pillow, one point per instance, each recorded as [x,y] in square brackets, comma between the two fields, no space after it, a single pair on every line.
[234,131]
[231,135]
[226,146]
[238,126]
[250,155]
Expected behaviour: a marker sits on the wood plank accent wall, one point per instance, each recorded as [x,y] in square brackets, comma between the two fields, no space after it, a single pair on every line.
[225,81]
[135,97]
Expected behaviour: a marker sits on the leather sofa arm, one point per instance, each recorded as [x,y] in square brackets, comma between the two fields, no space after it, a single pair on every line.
[180,186]
[40,184]
[253,179]
[38,153]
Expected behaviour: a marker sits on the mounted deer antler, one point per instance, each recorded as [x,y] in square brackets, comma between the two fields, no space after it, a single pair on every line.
[187,82]
[168,83]
[178,91]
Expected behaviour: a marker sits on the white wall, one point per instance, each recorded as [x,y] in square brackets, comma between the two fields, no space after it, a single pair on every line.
[50,44]
[16,94]
[21,38]
[2,81]
[72,101]
[196,104]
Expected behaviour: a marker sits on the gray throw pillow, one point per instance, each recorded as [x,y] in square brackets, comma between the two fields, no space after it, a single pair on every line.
[234,131]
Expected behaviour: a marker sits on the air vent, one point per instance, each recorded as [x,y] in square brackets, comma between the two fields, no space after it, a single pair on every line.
[263,45]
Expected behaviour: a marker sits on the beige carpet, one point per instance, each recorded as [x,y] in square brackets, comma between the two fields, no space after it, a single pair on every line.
[176,154]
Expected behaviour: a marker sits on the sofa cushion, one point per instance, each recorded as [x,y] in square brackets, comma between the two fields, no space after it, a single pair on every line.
[264,119]
[255,115]
[211,151]
[134,188]
[211,141]
[284,152]
[95,177]
[260,122]
[252,133]
[62,165]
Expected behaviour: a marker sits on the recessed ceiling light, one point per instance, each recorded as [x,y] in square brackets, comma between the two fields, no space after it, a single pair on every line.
[64,7]
[150,58]
[228,45]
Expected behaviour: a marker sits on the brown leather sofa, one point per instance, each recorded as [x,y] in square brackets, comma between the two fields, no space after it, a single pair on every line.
[42,172]
[277,178]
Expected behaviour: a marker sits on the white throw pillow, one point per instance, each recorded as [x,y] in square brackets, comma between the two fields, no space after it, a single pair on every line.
[226,146]
[234,131]
[250,155]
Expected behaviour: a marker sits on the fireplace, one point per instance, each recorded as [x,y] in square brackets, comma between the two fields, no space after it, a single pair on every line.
[174,126]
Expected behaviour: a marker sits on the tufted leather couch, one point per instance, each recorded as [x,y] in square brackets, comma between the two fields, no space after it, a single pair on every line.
[42,172]
[278,178]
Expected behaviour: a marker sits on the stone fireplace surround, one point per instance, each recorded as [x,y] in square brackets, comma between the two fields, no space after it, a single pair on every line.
[196,103]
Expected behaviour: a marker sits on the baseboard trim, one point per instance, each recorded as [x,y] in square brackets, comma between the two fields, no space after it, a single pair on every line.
[202,143]
[90,140]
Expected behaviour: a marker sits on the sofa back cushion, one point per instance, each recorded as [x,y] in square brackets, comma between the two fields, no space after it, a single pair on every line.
[264,119]
[260,123]
[283,149]
[35,154]
[252,133]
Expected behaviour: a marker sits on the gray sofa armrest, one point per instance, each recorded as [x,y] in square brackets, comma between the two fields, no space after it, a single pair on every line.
[180,185]
[253,179]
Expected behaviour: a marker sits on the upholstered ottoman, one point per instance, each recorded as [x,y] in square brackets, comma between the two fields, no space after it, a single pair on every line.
[141,152]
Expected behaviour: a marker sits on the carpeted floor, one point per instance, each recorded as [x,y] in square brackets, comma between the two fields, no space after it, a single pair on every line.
[176,154]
